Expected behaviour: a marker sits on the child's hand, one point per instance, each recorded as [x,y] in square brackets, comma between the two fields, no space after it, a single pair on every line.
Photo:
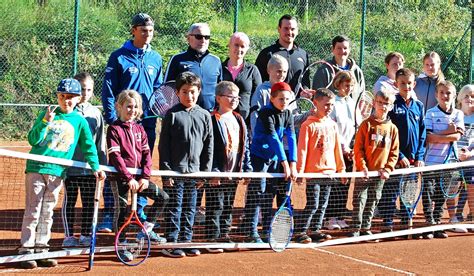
[464,154]
[293,171]
[133,185]
[348,154]
[299,181]
[215,182]
[365,171]
[168,182]
[344,180]
[452,128]
[246,181]
[384,174]
[404,163]
[49,115]
[419,163]
[100,175]
[143,184]
[200,183]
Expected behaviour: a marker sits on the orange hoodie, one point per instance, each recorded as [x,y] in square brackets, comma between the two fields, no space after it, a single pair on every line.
[319,147]
[376,146]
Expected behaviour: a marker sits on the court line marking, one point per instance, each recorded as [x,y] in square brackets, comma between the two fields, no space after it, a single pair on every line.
[34,270]
[365,262]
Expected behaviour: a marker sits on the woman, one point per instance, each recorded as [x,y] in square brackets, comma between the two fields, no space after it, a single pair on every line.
[426,82]
[393,62]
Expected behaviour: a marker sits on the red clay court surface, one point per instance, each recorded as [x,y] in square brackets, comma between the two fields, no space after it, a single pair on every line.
[452,256]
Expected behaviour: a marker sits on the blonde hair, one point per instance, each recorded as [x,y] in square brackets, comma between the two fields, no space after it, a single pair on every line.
[127,95]
[224,86]
[278,60]
[242,36]
[342,77]
[435,56]
[469,88]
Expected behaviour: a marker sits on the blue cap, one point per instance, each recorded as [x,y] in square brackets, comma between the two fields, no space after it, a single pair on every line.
[69,86]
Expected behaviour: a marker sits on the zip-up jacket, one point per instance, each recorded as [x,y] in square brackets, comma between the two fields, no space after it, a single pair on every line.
[298,60]
[221,141]
[206,66]
[127,147]
[267,140]
[425,90]
[131,68]
[186,140]
[410,121]
[247,81]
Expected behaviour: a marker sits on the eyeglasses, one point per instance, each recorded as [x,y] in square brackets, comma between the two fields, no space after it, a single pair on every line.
[200,36]
[232,98]
[383,103]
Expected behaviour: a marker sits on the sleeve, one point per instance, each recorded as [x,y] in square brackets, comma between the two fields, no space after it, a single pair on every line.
[290,134]
[394,148]
[247,165]
[256,103]
[321,78]
[100,139]
[261,62]
[256,81]
[159,80]
[459,120]
[86,143]
[306,79]
[303,141]
[38,132]
[208,146]
[172,69]
[272,138]
[164,147]
[420,152]
[339,157]
[359,147]
[146,155]
[109,89]
[114,153]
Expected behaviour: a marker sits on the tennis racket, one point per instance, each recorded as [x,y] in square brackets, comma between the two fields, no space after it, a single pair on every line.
[98,188]
[363,110]
[302,105]
[163,99]
[132,243]
[452,182]
[281,228]
[410,190]
[306,79]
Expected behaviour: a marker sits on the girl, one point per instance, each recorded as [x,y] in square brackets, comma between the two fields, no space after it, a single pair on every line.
[393,62]
[426,82]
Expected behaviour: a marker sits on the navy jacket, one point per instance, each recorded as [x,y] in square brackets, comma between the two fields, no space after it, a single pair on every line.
[426,91]
[410,121]
[207,66]
[131,68]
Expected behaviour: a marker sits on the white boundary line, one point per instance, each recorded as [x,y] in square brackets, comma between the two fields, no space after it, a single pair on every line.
[364,261]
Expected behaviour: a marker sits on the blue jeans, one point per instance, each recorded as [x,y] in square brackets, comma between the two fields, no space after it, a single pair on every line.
[180,211]
[388,202]
[219,204]
[317,198]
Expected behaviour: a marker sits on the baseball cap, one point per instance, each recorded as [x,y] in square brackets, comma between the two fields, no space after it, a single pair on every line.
[69,86]
[280,86]
[142,19]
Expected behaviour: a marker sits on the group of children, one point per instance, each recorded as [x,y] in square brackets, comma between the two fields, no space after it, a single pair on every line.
[399,133]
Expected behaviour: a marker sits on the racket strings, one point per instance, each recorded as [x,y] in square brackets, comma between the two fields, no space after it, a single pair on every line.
[282,227]
[410,192]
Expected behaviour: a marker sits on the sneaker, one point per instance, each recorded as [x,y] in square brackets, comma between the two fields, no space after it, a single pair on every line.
[225,238]
[455,220]
[428,235]
[28,264]
[70,241]
[303,238]
[125,255]
[254,238]
[368,233]
[332,224]
[319,236]
[440,234]
[193,252]
[85,240]
[342,223]
[47,263]
[173,253]
[154,238]
[215,250]
[355,234]
[106,225]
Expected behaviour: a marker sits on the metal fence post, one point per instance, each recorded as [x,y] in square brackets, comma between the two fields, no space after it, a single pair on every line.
[362,34]
[236,15]
[76,36]
[471,67]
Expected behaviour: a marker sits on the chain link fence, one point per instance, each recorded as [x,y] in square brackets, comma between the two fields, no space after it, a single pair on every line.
[37,37]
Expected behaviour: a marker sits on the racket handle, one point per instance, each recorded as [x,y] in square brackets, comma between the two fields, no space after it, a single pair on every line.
[134,201]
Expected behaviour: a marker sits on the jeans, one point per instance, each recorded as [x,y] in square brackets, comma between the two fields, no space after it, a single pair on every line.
[366,197]
[388,202]
[181,210]
[317,198]
[432,193]
[219,204]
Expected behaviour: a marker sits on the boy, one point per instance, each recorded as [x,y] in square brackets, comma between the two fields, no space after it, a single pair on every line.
[267,154]
[79,179]
[277,69]
[375,149]
[186,146]
[231,154]
[444,126]
[56,132]
[408,115]
[319,151]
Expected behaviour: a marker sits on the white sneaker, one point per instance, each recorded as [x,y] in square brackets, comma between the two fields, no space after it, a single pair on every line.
[215,250]
[457,229]
[342,223]
[332,224]
[85,240]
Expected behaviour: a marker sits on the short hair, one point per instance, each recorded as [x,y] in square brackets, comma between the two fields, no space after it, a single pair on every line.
[224,86]
[391,55]
[242,36]
[468,88]
[188,78]
[339,39]
[83,76]
[342,77]
[435,56]
[386,95]
[286,17]
[404,72]
[323,92]
[277,59]
[129,94]
[197,26]
[446,84]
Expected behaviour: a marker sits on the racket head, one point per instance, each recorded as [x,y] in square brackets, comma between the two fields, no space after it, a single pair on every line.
[364,106]
[132,244]
[281,229]
[306,79]
[303,105]
[452,182]
[410,189]
[163,99]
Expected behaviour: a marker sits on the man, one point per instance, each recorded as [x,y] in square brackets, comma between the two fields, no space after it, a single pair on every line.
[199,61]
[340,61]
[133,66]
[285,46]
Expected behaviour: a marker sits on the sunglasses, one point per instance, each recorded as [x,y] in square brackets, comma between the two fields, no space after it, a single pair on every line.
[199,36]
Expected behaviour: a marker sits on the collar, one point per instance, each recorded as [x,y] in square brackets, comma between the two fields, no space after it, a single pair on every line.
[295,46]
[196,54]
